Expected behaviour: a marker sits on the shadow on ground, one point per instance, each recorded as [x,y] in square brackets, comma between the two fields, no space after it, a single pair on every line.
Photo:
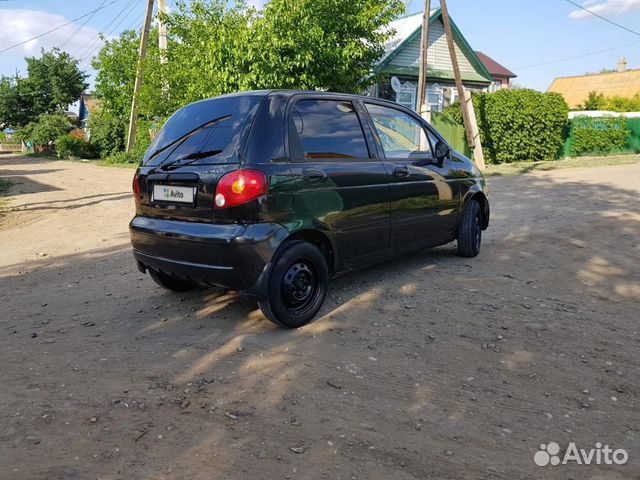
[430,366]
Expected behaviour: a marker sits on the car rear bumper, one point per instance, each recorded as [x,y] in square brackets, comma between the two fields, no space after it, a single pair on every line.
[232,256]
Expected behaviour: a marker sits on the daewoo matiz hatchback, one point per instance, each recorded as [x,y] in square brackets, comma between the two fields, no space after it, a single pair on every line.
[272,193]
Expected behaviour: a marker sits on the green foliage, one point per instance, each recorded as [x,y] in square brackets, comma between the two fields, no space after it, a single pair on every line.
[518,125]
[217,47]
[320,44]
[24,132]
[70,146]
[53,82]
[622,104]
[595,101]
[598,136]
[116,71]
[108,131]
[47,129]
[133,157]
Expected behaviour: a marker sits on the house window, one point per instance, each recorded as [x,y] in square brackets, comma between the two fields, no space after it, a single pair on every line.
[435,97]
[454,95]
[406,95]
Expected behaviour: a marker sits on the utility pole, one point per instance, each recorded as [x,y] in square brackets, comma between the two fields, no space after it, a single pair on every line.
[144,40]
[468,115]
[423,110]
[162,31]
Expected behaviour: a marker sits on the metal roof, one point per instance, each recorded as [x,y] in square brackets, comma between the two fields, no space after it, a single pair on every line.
[575,90]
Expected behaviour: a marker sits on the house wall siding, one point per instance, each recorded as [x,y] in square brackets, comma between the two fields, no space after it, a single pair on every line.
[437,53]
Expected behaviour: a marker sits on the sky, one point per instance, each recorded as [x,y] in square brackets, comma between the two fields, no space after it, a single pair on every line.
[537,39]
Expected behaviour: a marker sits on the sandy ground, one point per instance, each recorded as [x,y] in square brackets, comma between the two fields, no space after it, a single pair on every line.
[430,366]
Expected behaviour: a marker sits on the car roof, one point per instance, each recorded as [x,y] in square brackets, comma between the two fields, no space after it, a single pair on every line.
[292,92]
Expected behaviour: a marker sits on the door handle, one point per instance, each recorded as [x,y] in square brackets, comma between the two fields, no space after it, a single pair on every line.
[313,175]
[401,172]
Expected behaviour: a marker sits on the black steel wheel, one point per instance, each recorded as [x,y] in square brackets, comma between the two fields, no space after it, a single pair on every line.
[470,230]
[296,285]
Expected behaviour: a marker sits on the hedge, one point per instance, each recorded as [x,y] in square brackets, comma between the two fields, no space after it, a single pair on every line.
[598,136]
[518,125]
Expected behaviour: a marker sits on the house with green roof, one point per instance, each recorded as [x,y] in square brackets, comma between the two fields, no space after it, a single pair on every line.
[400,64]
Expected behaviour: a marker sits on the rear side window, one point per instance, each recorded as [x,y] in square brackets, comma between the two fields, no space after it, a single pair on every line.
[326,129]
[203,132]
[401,134]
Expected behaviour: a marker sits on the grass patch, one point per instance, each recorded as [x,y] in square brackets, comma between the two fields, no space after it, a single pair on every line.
[518,168]
[107,163]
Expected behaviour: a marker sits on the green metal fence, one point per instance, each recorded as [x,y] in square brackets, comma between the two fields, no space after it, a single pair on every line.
[633,143]
[452,132]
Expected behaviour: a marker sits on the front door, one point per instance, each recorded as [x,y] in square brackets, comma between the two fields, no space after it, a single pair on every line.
[424,201]
[343,189]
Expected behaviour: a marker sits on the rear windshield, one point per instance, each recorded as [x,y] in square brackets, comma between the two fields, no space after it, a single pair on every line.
[203,132]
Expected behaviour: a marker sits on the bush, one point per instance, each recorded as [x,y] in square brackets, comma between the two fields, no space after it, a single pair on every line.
[49,128]
[132,157]
[71,146]
[598,136]
[518,125]
[108,132]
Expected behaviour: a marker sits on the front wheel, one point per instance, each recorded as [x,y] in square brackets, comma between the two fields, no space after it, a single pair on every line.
[470,230]
[171,283]
[296,286]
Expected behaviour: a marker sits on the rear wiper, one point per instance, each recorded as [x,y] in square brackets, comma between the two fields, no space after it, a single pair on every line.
[192,157]
[179,141]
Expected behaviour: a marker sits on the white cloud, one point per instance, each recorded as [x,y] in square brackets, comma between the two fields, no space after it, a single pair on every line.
[19,25]
[606,8]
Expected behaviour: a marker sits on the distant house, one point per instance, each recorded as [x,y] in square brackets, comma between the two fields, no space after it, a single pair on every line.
[621,83]
[87,104]
[501,75]
[400,63]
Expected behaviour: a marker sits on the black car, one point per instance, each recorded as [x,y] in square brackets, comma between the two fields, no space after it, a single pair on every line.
[272,193]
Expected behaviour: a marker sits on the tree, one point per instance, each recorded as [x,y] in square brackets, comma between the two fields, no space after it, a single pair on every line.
[595,101]
[116,71]
[53,82]
[320,44]
[218,47]
[47,129]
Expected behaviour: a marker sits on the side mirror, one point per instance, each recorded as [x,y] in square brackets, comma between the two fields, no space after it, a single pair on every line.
[442,152]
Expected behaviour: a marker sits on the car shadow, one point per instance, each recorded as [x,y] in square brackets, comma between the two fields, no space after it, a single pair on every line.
[431,365]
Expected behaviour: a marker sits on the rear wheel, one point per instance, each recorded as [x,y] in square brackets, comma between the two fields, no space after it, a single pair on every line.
[470,230]
[296,286]
[171,283]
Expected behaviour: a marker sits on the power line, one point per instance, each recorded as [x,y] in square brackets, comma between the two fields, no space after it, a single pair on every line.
[58,27]
[603,18]
[105,30]
[89,52]
[86,20]
[582,55]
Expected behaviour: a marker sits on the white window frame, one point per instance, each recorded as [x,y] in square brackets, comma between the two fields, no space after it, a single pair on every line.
[435,89]
[410,89]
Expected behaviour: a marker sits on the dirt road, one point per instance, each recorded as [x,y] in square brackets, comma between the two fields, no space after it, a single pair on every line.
[431,366]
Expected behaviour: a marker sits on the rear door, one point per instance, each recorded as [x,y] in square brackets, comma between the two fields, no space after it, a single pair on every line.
[193,150]
[343,188]
[423,201]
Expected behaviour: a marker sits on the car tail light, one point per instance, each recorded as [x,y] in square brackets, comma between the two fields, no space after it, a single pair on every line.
[238,187]
[136,186]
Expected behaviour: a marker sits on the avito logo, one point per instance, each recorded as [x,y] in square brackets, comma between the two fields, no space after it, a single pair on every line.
[601,455]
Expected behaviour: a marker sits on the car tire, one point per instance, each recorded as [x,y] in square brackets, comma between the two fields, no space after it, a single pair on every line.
[172,283]
[470,230]
[296,285]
